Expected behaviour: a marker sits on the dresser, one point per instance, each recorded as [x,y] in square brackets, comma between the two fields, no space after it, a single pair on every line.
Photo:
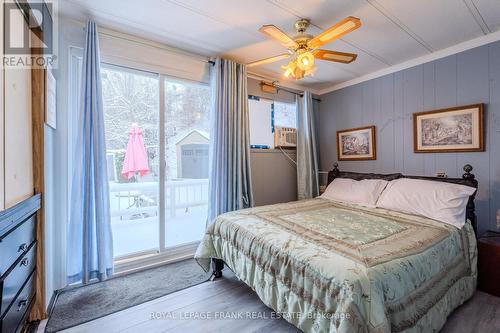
[17,263]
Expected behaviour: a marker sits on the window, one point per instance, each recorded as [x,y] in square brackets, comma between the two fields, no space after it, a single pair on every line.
[265,115]
[285,114]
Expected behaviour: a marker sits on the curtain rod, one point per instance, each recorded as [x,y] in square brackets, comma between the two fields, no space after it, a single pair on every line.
[275,82]
[294,92]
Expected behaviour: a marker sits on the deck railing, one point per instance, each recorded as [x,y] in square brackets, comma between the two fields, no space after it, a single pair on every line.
[140,200]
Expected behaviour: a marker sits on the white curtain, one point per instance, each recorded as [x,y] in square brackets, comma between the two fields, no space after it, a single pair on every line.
[307,158]
[230,185]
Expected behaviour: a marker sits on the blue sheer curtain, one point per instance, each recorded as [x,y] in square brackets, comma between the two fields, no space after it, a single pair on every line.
[307,158]
[90,245]
[230,185]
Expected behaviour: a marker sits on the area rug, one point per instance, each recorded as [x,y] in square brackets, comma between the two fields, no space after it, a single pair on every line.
[76,306]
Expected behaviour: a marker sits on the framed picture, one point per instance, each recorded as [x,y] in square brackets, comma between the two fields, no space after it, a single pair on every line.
[457,129]
[356,144]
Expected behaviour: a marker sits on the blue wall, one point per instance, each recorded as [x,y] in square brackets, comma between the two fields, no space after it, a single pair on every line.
[388,102]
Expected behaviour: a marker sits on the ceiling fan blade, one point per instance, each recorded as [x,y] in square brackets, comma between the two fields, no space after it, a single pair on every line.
[273,32]
[335,56]
[335,32]
[269,60]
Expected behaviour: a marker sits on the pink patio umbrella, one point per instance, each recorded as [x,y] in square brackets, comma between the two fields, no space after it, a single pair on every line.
[136,159]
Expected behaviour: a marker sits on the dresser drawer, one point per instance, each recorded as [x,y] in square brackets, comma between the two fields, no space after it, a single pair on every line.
[13,282]
[15,243]
[12,320]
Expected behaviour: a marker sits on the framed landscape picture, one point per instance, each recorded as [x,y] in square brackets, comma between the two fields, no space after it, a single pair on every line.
[356,144]
[457,129]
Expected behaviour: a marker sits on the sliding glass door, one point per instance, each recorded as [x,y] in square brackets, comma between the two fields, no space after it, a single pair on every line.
[157,158]
[131,117]
[186,145]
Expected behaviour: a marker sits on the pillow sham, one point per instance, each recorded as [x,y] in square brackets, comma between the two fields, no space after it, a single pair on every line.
[445,202]
[362,192]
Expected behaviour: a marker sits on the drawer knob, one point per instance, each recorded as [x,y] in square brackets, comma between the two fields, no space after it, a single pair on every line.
[21,304]
[25,262]
[23,248]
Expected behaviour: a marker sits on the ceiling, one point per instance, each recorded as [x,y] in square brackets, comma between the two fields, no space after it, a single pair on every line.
[392,31]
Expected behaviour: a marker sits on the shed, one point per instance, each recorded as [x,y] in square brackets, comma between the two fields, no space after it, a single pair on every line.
[192,155]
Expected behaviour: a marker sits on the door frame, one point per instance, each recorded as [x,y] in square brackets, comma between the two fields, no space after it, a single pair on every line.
[158,256]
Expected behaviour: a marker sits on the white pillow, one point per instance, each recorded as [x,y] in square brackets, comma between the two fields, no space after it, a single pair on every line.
[440,201]
[362,192]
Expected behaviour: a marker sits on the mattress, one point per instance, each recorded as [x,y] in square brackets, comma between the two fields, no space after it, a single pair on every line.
[326,266]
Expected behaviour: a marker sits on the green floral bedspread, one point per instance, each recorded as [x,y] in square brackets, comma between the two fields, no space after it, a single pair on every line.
[330,267]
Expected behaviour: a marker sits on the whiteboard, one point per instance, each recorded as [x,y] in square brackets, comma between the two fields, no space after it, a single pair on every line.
[260,122]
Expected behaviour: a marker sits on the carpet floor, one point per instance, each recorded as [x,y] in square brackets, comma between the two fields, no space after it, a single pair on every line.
[78,305]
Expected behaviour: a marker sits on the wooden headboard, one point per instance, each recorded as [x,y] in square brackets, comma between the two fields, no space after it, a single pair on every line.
[468,179]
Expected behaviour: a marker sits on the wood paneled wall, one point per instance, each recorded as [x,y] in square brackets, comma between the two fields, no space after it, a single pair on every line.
[388,102]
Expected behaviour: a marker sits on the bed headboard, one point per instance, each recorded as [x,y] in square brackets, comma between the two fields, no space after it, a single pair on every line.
[468,179]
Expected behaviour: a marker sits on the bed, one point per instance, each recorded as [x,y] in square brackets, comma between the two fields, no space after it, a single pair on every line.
[373,270]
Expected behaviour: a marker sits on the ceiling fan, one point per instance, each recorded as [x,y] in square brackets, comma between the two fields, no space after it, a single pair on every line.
[305,48]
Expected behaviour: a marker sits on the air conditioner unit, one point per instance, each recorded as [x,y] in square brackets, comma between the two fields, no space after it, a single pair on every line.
[285,137]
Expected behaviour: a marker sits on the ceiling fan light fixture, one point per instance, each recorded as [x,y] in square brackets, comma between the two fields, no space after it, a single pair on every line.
[289,69]
[292,69]
[305,48]
[299,73]
[305,60]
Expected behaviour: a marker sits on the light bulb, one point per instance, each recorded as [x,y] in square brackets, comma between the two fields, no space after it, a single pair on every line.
[289,69]
[299,73]
[305,60]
